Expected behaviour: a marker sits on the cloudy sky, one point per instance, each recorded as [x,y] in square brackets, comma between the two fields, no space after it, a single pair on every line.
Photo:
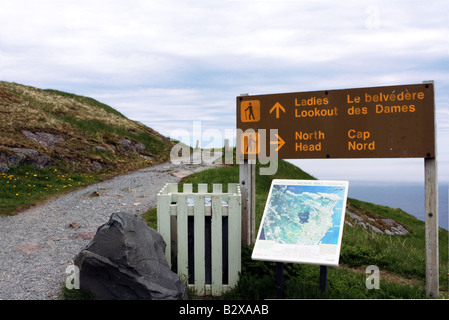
[178,64]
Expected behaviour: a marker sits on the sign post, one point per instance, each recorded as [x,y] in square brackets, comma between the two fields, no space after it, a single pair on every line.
[431,204]
[431,213]
[374,122]
[247,173]
[247,179]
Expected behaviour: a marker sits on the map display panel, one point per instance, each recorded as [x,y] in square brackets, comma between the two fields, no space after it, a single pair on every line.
[302,222]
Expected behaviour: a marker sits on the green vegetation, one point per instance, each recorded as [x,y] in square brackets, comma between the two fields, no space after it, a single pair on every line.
[94,142]
[401,259]
[86,100]
[25,186]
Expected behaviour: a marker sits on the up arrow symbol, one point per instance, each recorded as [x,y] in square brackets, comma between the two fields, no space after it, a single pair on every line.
[277,107]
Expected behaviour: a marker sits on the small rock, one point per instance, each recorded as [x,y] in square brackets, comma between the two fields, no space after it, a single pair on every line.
[28,156]
[29,247]
[388,222]
[148,158]
[139,147]
[129,146]
[362,224]
[94,194]
[354,216]
[40,162]
[16,159]
[126,144]
[43,138]
[74,225]
[100,148]
[96,166]
[375,229]
[28,152]
[3,168]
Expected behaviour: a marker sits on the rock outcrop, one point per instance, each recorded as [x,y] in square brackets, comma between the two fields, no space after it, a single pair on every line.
[380,225]
[23,156]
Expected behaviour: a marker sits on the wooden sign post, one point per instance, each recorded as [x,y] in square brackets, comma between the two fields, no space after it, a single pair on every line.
[248,190]
[374,122]
[431,207]
[247,179]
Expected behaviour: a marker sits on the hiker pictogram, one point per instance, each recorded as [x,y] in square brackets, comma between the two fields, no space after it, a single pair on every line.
[250,111]
[250,143]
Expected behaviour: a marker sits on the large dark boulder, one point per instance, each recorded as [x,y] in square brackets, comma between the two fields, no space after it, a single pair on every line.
[126,261]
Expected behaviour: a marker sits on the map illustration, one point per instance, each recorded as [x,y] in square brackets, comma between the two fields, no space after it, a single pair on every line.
[304,219]
[296,216]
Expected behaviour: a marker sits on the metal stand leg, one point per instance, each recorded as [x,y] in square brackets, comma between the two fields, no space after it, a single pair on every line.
[323,278]
[280,280]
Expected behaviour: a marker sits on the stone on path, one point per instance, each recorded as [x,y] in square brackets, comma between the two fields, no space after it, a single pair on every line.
[126,261]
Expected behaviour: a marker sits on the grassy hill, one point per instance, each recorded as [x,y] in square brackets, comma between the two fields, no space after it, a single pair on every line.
[400,258]
[52,141]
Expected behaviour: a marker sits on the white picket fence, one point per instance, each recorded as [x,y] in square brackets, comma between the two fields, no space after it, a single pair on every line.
[176,210]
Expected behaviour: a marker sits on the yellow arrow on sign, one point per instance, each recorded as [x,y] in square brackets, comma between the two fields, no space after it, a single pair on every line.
[277,107]
[280,142]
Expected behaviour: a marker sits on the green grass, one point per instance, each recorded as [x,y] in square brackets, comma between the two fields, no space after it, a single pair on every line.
[101,131]
[25,186]
[401,259]
[301,281]
[85,100]
[401,255]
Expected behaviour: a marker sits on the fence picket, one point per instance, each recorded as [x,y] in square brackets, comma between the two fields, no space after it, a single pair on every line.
[216,243]
[234,240]
[183,248]
[199,219]
[202,187]
[163,222]
[187,188]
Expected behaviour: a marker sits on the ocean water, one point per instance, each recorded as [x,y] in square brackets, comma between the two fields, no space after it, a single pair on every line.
[407,196]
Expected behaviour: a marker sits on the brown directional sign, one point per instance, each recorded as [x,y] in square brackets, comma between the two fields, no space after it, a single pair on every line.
[376,122]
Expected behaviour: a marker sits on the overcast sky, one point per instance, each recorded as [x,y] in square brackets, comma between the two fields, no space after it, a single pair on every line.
[170,63]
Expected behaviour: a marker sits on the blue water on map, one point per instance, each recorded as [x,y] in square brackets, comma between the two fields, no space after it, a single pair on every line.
[332,235]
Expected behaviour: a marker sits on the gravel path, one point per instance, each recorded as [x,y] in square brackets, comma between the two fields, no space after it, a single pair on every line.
[38,245]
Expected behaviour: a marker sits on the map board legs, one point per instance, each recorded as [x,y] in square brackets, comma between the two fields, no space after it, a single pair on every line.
[280,280]
[323,278]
